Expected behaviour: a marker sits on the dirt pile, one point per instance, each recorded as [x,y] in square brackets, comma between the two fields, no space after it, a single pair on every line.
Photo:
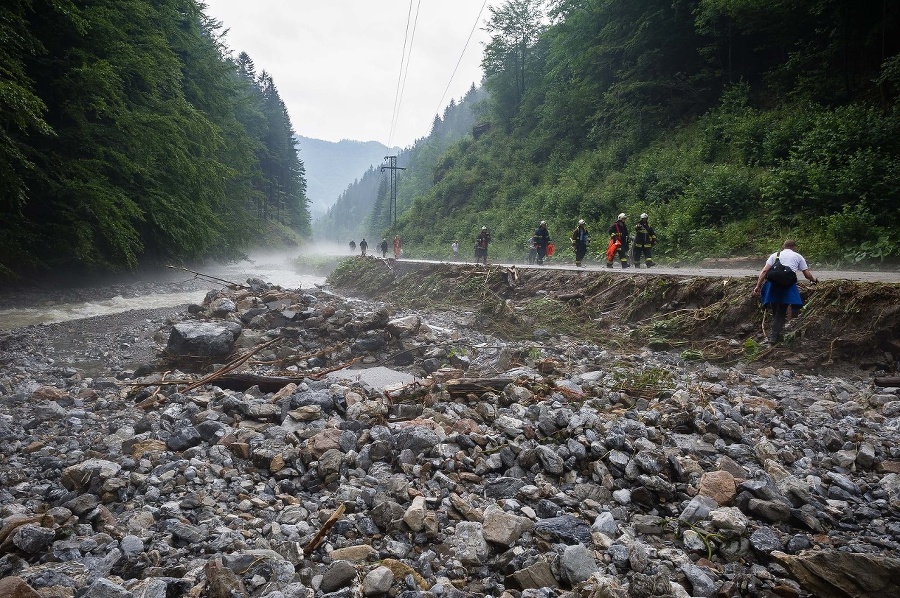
[843,323]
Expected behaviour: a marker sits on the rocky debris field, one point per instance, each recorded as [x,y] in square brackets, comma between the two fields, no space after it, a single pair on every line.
[248,449]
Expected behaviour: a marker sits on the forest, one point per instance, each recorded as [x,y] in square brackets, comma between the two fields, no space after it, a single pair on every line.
[733,123]
[130,136]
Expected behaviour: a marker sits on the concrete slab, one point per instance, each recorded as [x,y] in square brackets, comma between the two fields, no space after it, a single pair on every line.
[376,377]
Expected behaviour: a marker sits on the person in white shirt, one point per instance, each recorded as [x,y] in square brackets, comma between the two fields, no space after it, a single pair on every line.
[778,297]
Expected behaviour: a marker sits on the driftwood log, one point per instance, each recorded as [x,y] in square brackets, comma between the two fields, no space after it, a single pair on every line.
[460,387]
[265,383]
[887,381]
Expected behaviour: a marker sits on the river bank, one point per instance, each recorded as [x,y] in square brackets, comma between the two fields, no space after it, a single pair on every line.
[522,438]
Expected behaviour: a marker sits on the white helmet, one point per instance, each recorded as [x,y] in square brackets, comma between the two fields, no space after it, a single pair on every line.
[644,216]
[483,228]
[581,222]
[543,222]
[622,216]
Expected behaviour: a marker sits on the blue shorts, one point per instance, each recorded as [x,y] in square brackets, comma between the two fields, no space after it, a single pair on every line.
[771,293]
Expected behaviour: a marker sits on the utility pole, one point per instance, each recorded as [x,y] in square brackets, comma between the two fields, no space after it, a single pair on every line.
[392,202]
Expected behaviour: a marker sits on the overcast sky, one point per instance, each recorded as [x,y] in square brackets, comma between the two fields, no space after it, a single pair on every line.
[337,63]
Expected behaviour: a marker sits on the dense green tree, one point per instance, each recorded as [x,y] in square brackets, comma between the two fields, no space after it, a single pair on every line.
[127,136]
[515,28]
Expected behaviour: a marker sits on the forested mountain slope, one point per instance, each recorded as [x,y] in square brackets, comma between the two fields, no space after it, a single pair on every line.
[364,209]
[332,166]
[733,124]
[128,136]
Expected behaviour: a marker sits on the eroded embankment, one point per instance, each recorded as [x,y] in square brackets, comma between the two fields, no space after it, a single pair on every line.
[843,323]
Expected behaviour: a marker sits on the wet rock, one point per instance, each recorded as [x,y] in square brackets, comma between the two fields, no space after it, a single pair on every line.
[203,339]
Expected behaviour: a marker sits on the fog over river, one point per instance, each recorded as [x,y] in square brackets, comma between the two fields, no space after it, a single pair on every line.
[151,294]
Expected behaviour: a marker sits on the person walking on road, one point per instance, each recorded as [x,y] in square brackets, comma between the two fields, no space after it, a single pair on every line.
[778,296]
[352,246]
[363,246]
[384,247]
[619,232]
[398,246]
[644,240]
[580,240]
[455,248]
[481,245]
[541,239]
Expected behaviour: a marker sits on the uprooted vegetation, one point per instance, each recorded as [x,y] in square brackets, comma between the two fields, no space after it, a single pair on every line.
[843,323]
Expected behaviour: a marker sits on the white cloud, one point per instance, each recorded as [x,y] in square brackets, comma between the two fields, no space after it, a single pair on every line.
[337,63]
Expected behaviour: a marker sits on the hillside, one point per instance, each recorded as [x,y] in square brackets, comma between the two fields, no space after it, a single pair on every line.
[733,125]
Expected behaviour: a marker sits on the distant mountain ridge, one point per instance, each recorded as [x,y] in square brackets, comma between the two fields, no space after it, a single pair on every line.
[332,166]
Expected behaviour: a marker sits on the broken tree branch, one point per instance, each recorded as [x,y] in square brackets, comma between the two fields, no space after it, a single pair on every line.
[314,543]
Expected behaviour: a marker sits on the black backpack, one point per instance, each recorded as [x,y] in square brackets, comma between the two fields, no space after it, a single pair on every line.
[780,275]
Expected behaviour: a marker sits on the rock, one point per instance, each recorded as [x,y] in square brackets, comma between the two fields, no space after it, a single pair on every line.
[15,587]
[469,544]
[339,574]
[203,339]
[222,582]
[503,528]
[698,509]
[103,588]
[378,581]
[701,583]
[32,539]
[354,554]
[414,516]
[536,575]
[89,474]
[765,540]
[577,564]
[834,574]
[503,487]
[606,524]
[719,486]
[565,529]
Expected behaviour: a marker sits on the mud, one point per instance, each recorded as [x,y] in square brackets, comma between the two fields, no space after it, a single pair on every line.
[845,325]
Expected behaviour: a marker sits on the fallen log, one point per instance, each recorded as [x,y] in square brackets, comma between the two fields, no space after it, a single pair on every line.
[265,383]
[463,386]
[887,381]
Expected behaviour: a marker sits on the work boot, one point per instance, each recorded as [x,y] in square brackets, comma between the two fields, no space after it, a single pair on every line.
[650,263]
[609,264]
[625,265]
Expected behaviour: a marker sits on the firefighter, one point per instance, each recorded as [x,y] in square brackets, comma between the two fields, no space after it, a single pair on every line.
[644,240]
[580,240]
[619,232]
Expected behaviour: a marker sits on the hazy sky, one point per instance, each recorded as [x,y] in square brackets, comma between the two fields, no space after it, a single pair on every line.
[337,63]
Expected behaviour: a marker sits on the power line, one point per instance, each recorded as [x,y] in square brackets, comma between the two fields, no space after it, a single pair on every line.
[461,54]
[404,71]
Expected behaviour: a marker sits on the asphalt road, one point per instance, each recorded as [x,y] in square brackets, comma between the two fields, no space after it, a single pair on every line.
[889,276]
